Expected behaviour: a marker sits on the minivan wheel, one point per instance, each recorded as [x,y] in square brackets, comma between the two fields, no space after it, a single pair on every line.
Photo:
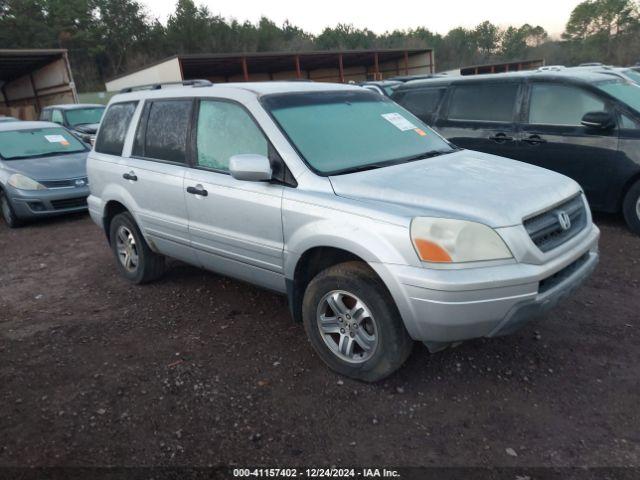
[353,323]
[9,216]
[135,260]
[631,208]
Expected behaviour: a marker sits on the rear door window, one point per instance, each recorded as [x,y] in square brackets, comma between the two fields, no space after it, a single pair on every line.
[490,102]
[555,104]
[114,127]
[164,130]
[56,117]
[423,102]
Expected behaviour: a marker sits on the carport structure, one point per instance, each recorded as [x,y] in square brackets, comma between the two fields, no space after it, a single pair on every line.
[35,78]
[324,66]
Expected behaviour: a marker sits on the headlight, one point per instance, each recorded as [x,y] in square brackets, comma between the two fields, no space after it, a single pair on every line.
[443,240]
[24,183]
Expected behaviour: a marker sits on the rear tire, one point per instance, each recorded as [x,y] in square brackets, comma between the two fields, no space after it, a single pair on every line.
[631,208]
[353,323]
[135,260]
[8,214]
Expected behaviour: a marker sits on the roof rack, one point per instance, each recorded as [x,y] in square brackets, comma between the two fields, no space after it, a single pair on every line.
[157,86]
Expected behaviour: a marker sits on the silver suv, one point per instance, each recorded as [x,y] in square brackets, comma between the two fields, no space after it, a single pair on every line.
[378,230]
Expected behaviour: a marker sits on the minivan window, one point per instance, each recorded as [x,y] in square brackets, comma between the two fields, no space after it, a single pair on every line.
[226,129]
[491,102]
[338,132]
[167,129]
[113,128]
[421,102]
[625,92]
[555,104]
[38,142]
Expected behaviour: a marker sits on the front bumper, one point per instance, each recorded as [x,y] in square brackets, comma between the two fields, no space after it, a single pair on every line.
[29,204]
[444,306]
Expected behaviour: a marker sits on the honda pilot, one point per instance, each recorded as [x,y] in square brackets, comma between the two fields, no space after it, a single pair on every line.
[377,230]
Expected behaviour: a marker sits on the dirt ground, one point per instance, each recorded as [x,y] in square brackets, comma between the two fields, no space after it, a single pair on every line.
[197,369]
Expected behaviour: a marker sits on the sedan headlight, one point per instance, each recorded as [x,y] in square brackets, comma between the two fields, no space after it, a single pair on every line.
[24,183]
[444,240]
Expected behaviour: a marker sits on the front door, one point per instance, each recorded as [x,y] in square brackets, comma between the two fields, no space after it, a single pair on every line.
[481,116]
[235,226]
[552,136]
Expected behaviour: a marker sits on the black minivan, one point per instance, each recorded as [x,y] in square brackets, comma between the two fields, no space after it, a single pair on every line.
[583,124]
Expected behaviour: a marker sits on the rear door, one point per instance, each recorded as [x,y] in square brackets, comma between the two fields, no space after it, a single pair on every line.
[553,137]
[480,115]
[235,226]
[155,175]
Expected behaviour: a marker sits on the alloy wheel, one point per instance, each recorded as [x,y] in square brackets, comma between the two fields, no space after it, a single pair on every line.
[347,326]
[127,249]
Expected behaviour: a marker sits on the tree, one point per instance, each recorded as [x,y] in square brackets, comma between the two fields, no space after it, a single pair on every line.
[518,42]
[487,37]
[601,17]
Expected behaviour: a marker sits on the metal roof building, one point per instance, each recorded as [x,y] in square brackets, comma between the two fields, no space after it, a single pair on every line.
[323,66]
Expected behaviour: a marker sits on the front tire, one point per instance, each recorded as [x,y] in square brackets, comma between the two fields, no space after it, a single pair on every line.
[135,260]
[8,214]
[353,323]
[631,208]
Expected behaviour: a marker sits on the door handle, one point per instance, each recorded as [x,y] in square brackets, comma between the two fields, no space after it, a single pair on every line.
[534,140]
[197,190]
[130,176]
[501,138]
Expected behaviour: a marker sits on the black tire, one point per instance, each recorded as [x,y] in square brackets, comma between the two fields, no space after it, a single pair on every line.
[630,208]
[8,214]
[394,344]
[149,265]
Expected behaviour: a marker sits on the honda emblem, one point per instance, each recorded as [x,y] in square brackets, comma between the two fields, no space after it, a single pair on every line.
[564,220]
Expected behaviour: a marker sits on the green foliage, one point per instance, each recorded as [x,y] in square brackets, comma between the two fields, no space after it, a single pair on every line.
[109,37]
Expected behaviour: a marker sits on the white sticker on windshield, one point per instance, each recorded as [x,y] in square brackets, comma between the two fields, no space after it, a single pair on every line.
[399,121]
[57,139]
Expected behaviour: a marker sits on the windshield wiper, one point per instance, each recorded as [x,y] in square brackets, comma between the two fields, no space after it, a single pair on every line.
[373,166]
[361,168]
[42,155]
[425,155]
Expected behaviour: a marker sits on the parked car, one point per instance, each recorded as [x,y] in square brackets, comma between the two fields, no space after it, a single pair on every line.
[582,123]
[379,231]
[42,171]
[383,87]
[8,119]
[81,118]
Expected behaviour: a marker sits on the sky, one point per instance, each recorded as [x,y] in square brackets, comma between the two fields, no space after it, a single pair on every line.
[381,16]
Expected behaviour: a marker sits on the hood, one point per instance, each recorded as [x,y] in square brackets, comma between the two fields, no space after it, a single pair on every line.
[90,128]
[464,185]
[60,167]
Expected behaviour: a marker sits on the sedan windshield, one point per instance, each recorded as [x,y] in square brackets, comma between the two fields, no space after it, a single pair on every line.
[340,132]
[83,116]
[626,92]
[39,142]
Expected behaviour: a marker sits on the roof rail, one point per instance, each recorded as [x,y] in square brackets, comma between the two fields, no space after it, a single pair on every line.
[157,86]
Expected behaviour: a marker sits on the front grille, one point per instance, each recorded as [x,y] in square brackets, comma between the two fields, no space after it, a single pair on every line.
[64,183]
[545,229]
[69,203]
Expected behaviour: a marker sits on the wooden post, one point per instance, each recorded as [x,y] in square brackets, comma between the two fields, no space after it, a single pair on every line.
[35,93]
[376,73]
[298,71]
[406,62]
[340,65]
[431,65]
[245,69]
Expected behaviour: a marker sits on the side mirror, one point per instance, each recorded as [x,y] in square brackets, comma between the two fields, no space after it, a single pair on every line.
[250,167]
[598,120]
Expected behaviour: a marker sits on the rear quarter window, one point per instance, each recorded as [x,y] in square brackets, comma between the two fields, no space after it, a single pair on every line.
[114,127]
[484,102]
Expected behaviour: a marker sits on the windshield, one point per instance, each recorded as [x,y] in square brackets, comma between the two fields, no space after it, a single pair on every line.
[626,92]
[38,142]
[83,116]
[337,132]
